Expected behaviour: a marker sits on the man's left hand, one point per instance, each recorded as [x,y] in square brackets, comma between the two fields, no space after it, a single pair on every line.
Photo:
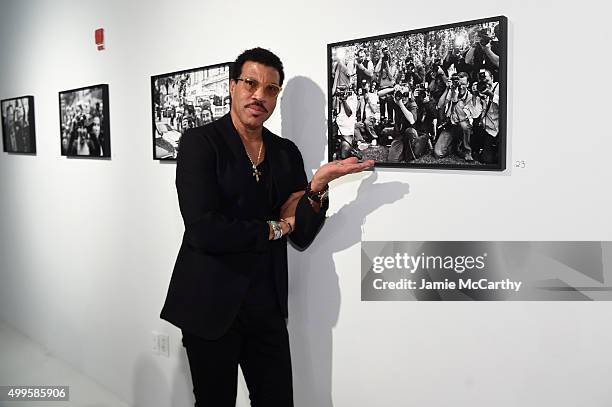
[336,169]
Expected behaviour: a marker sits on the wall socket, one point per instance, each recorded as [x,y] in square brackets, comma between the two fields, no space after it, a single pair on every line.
[164,345]
[161,344]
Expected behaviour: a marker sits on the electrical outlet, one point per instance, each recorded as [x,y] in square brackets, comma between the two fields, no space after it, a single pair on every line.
[155,343]
[164,345]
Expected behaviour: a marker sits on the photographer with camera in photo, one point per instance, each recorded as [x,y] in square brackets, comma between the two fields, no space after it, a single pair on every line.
[365,129]
[341,76]
[364,69]
[455,56]
[482,54]
[346,121]
[405,117]
[387,73]
[411,73]
[427,115]
[486,109]
[456,132]
[436,80]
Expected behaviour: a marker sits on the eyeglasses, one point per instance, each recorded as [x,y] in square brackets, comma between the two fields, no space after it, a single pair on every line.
[251,85]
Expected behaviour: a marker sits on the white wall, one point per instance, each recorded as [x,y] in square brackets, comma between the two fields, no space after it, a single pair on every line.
[87,247]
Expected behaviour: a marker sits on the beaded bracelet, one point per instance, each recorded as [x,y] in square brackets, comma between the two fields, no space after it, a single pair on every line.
[288,224]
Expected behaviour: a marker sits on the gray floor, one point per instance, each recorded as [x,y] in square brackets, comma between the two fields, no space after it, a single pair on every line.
[24,362]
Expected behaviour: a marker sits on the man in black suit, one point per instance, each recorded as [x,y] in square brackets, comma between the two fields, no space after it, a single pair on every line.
[242,190]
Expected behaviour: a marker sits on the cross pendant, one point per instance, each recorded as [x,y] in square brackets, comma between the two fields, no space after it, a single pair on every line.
[256,173]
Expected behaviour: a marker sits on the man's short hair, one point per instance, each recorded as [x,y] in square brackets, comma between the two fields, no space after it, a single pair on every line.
[464,75]
[259,55]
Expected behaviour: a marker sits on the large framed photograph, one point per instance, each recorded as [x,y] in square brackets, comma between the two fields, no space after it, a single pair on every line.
[18,127]
[185,99]
[84,122]
[427,98]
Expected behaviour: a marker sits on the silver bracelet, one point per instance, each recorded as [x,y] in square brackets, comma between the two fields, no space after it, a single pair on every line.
[276,228]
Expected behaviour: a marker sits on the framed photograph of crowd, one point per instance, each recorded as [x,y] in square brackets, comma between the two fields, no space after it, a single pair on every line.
[84,122]
[426,98]
[185,99]
[18,129]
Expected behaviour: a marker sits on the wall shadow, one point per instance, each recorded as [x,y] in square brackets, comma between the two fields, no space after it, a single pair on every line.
[314,291]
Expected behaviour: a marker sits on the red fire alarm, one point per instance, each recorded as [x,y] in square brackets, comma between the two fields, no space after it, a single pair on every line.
[100,38]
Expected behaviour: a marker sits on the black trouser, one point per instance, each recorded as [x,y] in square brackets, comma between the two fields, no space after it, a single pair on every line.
[259,342]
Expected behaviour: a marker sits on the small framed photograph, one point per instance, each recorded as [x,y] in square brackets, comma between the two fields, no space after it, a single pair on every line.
[84,122]
[18,127]
[185,99]
[428,98]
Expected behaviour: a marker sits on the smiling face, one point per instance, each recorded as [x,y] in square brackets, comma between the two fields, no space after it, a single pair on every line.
[252,107]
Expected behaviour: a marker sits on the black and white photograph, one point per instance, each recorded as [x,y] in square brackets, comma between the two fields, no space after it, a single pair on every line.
[426,98]
[84,122]
[186,99]
[18,128]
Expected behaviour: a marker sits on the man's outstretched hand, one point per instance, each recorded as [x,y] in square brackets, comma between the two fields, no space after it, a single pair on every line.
[336,169]
[324,175]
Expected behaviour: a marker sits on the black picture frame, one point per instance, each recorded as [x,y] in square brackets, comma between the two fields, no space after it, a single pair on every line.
[18,137]
[494,162]
[185,106]
[79,112]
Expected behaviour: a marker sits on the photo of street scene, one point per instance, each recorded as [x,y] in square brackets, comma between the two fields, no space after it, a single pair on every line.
[186,99]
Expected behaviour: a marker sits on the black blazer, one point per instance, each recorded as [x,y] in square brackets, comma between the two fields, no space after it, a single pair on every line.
[223,240]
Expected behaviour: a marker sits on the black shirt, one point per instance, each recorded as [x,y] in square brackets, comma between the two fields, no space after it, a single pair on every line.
[262,290]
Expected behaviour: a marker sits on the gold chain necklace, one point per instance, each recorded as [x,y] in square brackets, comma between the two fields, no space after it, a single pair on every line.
[256,172]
